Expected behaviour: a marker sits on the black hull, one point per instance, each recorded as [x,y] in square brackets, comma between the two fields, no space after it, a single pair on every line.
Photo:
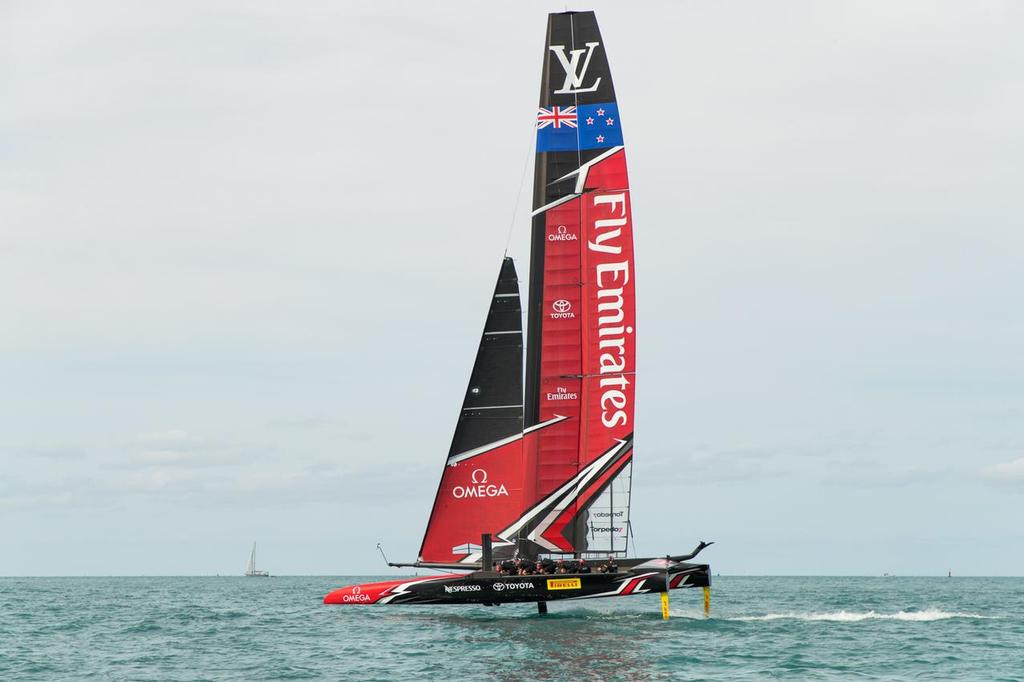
[489,588]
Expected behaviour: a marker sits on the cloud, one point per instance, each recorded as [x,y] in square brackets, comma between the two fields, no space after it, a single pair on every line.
[172,436]
[704,466]
[195,237]
[302,423]
[341,427]
[155,480]
[48,494]
[185,468]
[180,449]
[59,453]
[1005,472]
[869,473]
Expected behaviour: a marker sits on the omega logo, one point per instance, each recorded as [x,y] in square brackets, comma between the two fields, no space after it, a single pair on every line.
[562,234]
[479,487]
[356,596]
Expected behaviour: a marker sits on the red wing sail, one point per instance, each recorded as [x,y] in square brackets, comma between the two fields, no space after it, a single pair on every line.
[581,355]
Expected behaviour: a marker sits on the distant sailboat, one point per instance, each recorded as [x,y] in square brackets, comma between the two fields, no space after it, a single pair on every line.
[250,568]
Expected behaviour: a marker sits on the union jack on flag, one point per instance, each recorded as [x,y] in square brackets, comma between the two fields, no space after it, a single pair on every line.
[556,117]
[584,126]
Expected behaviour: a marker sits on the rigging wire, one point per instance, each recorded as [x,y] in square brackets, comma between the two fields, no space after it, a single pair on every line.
[519,194]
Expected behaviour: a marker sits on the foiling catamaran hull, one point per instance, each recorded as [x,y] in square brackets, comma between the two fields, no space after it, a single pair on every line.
[489,589]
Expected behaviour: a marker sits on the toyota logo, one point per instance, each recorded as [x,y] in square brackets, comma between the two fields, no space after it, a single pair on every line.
[498,587]
[478,476]
[561,306]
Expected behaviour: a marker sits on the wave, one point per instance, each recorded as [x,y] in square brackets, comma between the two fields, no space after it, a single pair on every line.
[856,616]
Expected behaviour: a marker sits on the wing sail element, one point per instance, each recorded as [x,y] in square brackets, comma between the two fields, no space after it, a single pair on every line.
[581,350]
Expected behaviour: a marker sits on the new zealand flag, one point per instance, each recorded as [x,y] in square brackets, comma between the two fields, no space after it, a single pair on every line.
[587,126]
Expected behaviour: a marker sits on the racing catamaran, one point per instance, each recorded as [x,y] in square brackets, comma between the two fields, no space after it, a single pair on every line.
[547,474]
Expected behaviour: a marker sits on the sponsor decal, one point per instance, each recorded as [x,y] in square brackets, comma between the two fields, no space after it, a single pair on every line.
[564,584]
[562,393]
[562,310]
[461,588]
[356,596]
[480,487]
[604,515]
[574,73]
[523,585]
[585,126]
[562,234]
[613,334]
[610,529]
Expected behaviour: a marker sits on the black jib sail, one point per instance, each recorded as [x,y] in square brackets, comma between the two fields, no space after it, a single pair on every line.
[481,487]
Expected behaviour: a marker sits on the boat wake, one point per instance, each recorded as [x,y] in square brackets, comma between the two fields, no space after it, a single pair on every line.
[857,616]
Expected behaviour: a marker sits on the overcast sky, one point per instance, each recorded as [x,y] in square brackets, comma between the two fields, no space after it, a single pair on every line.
[246,250]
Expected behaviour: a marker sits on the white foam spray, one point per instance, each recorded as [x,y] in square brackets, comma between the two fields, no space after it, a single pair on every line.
[856,616]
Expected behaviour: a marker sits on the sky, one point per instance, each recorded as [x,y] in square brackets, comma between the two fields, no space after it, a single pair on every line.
[246,250]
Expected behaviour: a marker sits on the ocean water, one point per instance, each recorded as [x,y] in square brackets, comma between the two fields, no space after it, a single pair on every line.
[277,629]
